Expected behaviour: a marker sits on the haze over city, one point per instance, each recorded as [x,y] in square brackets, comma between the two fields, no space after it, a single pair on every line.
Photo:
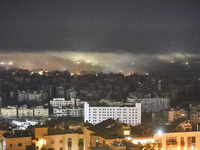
[99,74]
[107,36]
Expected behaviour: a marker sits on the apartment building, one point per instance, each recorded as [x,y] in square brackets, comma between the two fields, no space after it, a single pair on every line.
[177,141]
[39,111]
[9,111]
[20,140]
[65,141]
[65,111]
[151,104]
[129,114]
[24,111]
[61,102]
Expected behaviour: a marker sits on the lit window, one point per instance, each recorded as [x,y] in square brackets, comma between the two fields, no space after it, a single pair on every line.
[126,132]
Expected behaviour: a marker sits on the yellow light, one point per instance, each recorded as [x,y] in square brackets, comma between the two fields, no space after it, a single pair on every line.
[10,63]
[126,132]
[45,142]
[40,72]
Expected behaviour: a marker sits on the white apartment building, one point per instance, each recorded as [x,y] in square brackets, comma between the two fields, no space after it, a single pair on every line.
[126,114]
[61,102]
[24,111]
[9,111]
[39,111]
[72,112]
[151,104]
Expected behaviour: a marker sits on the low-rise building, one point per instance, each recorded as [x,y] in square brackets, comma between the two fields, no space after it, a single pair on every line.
[65,111]
[9,111]
[20,140]
[39,111]
[24,111]
[61,102]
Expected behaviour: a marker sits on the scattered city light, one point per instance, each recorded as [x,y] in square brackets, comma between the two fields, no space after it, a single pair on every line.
[10,63]
[160,132]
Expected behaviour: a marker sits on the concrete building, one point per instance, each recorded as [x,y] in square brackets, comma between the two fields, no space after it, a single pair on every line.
[73,141]
[30,96]
[175,114]
[66,141]
[61,102]
[130,114]
[17,141]
[195,114]
[151,104]
[39,111]
[105,133]
[9,111]
[72,112]
[57,102]
[24,111]
[60,92]
[177,141]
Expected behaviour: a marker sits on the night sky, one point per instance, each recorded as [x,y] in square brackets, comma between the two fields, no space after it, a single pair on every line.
[105,33]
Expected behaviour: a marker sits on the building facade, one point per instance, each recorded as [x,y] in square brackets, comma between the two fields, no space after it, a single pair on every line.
[24,111]
[177,141]
[61,102]
[72,112]
[39,111]
[9,111]
[151,104]
[127,114]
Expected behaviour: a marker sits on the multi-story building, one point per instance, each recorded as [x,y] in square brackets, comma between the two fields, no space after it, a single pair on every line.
[105,133]
[60,102]
[73,141]
[175,114]
[130,114]
[39,111]
[68,141]
[65,111]
[177,141]
[60,92]
[17,141]
[151,104]
[195,114]
[24,111]
[9,111]
[71,93]
[30,96]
